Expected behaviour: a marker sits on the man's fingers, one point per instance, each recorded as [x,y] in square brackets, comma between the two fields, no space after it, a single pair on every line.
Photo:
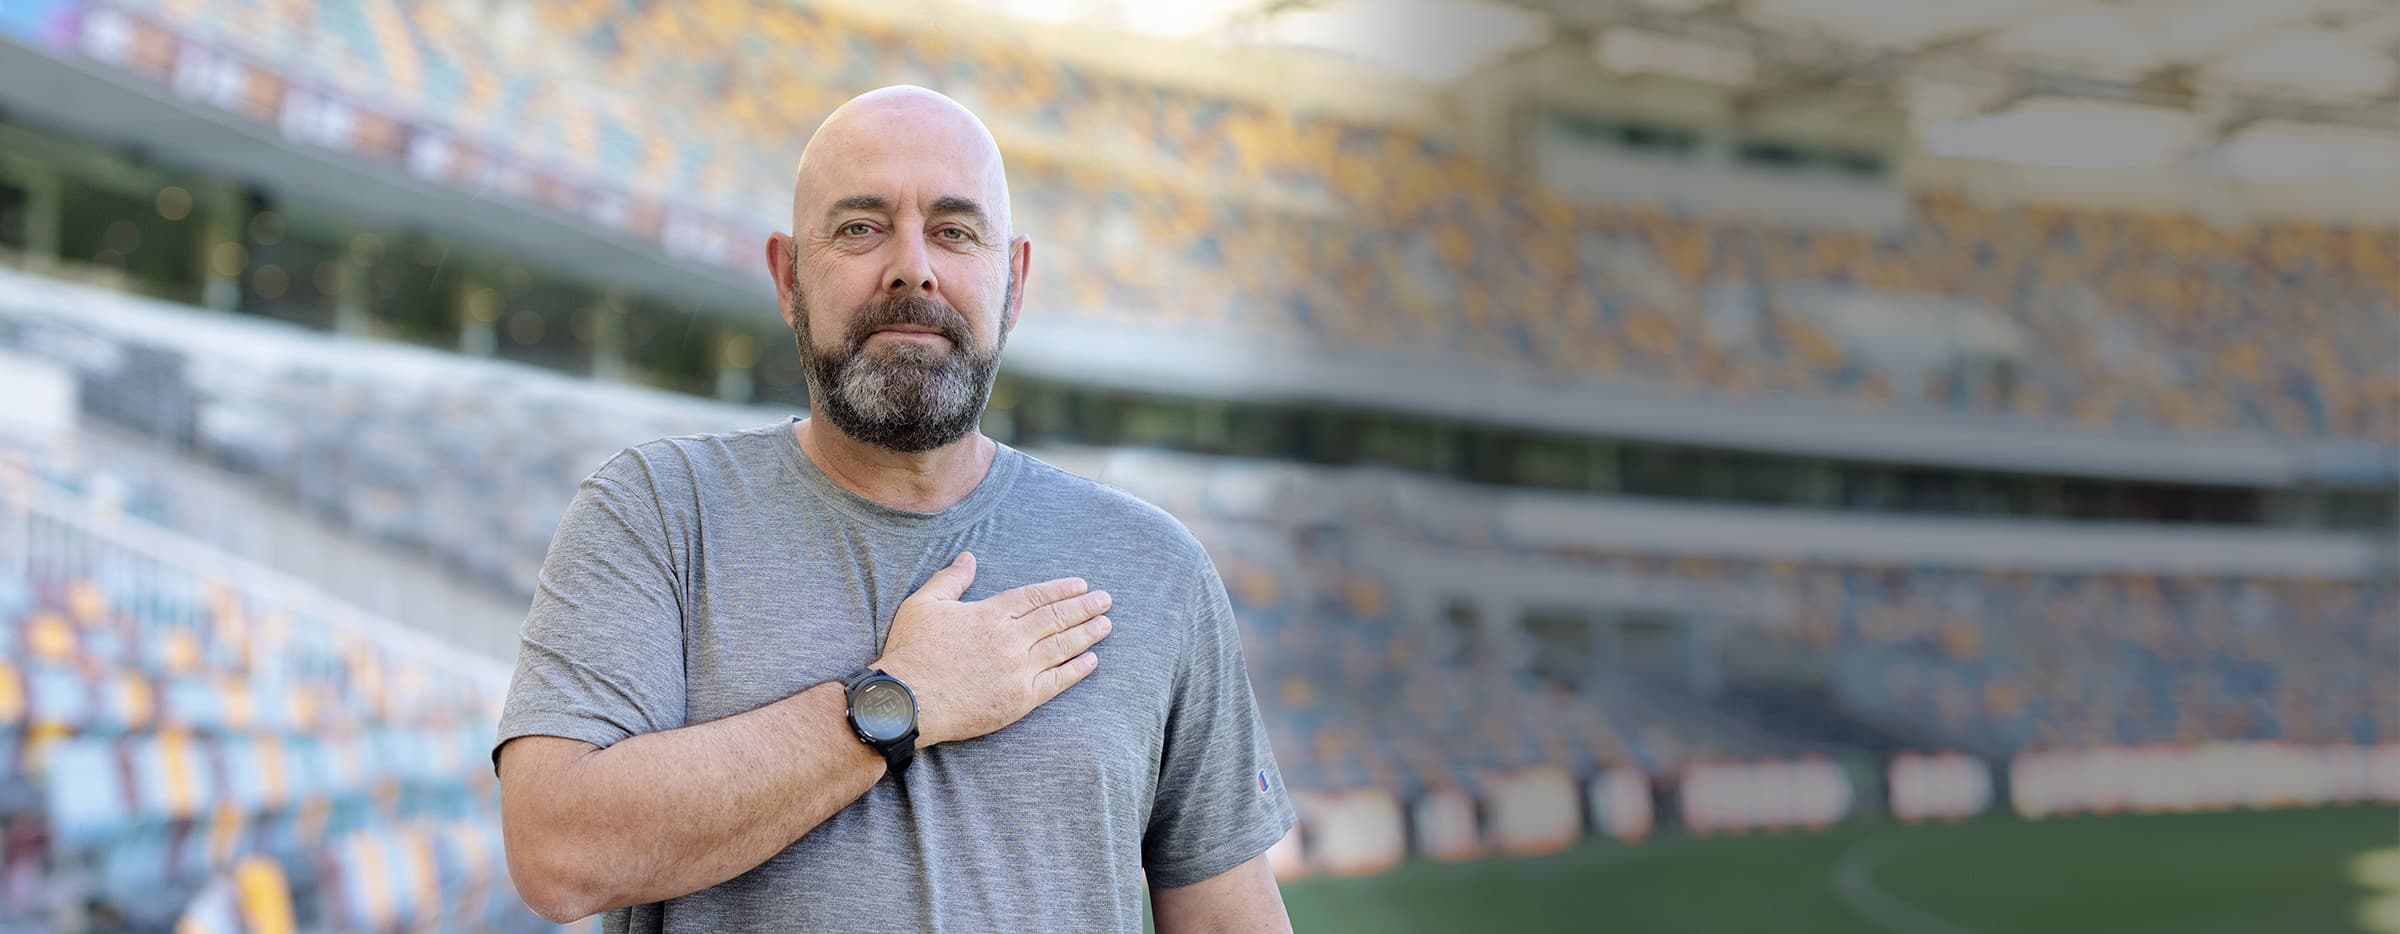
[1066,645]
[1055,681]
[950,582]
[1066,614]
[1024,600]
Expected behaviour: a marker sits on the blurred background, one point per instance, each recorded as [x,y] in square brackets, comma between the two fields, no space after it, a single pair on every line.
[1682,465]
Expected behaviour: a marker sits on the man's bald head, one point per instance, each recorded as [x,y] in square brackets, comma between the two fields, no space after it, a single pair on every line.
[901,122]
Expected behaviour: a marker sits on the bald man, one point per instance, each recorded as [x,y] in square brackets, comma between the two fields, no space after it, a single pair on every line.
[870,670]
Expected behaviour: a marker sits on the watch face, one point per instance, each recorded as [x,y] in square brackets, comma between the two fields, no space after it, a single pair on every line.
[884,710]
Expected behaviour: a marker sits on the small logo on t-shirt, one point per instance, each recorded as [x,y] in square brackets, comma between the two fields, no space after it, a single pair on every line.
[1262,779]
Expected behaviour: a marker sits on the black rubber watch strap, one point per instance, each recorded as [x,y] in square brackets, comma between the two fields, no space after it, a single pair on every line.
[898,755]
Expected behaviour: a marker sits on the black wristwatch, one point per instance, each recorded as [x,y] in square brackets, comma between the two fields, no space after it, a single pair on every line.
[883,712]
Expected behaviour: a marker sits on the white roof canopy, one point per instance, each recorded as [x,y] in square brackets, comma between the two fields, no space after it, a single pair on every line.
[2245,76]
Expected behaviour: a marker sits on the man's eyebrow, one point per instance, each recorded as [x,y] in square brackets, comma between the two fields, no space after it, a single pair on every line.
[953,204]
[861,203]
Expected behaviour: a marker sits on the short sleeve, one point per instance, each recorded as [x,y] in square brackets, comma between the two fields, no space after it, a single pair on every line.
[601,658]
[1220,799]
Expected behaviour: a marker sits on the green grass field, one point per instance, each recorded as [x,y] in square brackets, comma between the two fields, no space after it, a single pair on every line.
[2271,872]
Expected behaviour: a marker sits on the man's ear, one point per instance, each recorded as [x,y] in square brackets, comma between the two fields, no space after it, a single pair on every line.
[779,268]
[1020,262]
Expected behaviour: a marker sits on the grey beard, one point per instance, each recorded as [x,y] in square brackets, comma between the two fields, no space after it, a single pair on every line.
[905,398]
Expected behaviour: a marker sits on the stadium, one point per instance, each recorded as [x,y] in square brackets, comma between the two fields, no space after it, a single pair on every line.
[1680,465]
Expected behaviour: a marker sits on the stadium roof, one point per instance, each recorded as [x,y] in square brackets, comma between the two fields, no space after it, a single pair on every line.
[2279,90]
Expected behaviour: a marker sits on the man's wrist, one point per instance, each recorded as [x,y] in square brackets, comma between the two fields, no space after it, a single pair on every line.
[837,703]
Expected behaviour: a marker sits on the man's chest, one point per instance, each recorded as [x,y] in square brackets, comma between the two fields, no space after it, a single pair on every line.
[764,622]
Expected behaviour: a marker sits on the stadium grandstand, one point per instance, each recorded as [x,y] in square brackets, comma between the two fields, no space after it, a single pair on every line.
[1622,425]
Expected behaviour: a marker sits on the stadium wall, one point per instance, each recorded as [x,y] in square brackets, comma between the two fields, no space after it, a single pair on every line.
[1367,832]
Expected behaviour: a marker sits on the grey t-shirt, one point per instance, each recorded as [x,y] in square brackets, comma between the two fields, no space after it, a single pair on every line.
[698,577]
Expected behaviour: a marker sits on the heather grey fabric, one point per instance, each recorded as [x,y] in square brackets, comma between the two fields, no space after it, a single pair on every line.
[698,577]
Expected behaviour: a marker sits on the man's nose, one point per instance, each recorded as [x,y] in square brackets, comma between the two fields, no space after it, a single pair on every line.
[911,268]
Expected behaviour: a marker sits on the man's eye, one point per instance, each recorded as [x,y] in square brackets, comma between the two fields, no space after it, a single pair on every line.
[954,233]
[858,229]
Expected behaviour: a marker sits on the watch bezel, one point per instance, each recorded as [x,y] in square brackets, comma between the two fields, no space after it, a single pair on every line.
[864,691]
[897,750]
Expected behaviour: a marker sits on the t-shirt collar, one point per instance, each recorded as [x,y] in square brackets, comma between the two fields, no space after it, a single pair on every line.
[978,503]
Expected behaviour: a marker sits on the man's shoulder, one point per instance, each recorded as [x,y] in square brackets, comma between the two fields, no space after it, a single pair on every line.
[677,461]
[1108,510]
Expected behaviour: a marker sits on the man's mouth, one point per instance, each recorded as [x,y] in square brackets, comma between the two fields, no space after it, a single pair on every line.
[931,339]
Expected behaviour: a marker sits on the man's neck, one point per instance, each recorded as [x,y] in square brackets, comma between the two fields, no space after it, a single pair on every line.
[927,481]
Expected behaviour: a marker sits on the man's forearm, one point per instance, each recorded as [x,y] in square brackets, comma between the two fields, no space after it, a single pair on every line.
[670,813]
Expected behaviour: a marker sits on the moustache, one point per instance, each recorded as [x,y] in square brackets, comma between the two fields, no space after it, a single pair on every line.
[913,311]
